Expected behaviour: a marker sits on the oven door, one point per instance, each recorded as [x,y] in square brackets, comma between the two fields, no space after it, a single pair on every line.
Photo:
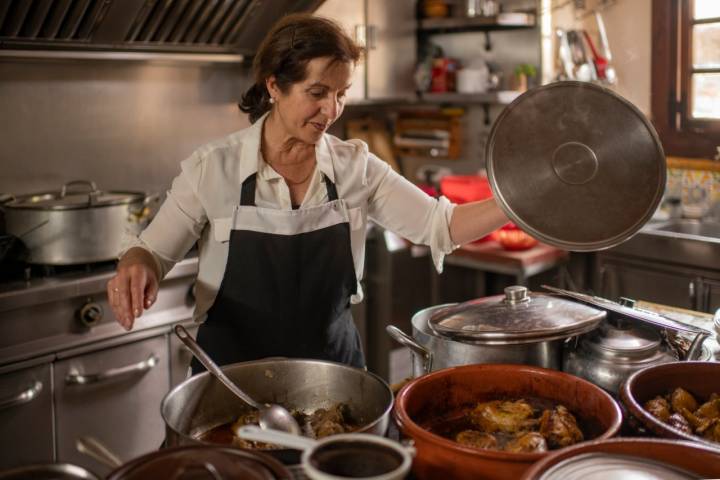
[114,395]
[26,423]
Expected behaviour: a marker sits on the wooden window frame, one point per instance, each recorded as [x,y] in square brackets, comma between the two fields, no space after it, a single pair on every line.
[671,70]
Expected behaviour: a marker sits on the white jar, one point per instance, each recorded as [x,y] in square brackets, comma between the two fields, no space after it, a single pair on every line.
[473,79]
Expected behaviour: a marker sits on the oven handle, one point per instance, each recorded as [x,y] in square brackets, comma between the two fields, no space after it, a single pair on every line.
[75,378]
[23,397]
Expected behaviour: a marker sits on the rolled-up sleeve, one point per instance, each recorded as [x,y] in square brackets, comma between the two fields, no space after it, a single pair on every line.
[178,223]
[401,207]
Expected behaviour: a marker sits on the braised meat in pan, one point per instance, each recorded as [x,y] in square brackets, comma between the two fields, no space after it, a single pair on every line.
[318,424]
[517,426]
[681,410]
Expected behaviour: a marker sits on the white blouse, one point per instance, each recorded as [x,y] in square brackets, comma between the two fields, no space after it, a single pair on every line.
[199,206]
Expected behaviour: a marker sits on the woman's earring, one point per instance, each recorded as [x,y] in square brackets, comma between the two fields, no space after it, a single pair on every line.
[272,100]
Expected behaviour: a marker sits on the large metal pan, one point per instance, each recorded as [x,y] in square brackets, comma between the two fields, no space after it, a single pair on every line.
[201,402]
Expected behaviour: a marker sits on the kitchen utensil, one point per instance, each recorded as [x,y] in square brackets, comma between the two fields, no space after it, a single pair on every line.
[350,455]
[699,378]
[271,415]
[197,461]
[92,447]
[77,224]
[53,471]
[703,462]
[584,69]
[610,75]
[600,62]
[425,399]
[609,354]
[201,403]
[642,316]
[571,179]
[201,461]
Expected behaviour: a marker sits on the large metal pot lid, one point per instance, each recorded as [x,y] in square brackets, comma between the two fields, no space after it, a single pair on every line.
[612,466]
[74,195]
[575,165]
[202,462]
[518,316]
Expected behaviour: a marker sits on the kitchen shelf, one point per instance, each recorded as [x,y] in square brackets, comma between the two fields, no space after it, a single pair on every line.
[503,97]
[502,21]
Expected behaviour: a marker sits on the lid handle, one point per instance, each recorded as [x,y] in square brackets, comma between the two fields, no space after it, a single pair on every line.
[93,192]
[516,294]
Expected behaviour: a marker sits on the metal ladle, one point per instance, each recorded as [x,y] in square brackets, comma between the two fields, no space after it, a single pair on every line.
[272,416]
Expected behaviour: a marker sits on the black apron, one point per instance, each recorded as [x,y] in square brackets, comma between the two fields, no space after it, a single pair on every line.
[287,286]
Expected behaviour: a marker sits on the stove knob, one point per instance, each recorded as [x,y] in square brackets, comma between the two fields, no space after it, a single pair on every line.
[90,314]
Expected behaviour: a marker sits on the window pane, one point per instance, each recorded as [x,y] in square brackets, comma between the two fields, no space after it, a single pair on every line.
[706,45]
[706,9]
[706,95]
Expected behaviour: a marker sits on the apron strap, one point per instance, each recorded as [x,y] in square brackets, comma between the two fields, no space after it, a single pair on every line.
[331,190]
[247,193]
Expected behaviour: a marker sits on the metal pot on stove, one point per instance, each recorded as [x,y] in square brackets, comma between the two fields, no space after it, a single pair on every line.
[77,223]
[519,327]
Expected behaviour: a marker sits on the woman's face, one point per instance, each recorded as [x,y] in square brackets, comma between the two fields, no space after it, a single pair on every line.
[309,107]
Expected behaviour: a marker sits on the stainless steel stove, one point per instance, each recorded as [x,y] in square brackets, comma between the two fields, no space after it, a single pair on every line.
[68,369]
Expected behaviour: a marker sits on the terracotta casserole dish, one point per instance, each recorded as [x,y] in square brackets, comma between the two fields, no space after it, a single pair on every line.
[421,402]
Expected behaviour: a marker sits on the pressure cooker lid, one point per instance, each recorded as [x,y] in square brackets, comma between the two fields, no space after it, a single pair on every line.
[575,165]
[74,195]
[629,341]
[641,316]
[518,316]
[611,466]
[203,462]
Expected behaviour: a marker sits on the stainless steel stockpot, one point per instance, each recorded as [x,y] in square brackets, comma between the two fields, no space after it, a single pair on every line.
[519,328]
[76,224]
[201,402]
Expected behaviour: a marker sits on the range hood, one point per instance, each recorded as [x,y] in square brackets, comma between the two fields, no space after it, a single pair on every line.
[233,27]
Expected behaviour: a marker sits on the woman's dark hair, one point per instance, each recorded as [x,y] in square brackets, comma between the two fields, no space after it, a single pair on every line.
[285,52]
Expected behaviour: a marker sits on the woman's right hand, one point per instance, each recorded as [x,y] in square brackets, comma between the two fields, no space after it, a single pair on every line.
[134,286]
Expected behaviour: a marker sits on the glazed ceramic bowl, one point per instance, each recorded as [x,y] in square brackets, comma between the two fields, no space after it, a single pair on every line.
[699,378]
[448,390]
[697,459]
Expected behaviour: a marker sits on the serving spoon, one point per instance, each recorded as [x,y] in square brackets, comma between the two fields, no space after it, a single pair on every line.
[271,416]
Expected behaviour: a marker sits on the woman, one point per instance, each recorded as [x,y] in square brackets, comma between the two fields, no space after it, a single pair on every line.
[279,212]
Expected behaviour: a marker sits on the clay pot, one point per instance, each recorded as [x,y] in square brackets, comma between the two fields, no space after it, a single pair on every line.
[703,461]
[699,378]
[448,390]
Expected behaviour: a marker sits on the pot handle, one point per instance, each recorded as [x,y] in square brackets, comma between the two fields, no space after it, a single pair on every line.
[142,213]
[423,354]
[695,349]
[92,447]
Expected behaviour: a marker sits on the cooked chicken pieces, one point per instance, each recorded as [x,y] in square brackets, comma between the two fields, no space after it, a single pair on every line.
[559,427]
[659,407]
[329,422]
[475,438]
[527,443]
[680,410]
[516,426]
[681,398]
[501,416]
